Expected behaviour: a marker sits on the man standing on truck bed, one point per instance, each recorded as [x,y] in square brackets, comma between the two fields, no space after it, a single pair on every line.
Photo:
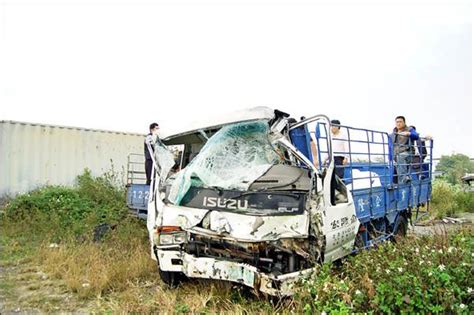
[403,148]
[150,140]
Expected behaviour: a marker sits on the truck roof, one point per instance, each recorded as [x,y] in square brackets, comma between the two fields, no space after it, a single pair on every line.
[181,133]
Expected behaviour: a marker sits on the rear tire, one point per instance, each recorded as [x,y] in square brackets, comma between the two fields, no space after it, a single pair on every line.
[402,228]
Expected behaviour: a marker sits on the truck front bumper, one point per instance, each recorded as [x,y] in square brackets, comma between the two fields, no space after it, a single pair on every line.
[211,268]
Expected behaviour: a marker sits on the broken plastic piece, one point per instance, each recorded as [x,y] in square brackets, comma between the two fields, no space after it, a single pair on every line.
[165,160]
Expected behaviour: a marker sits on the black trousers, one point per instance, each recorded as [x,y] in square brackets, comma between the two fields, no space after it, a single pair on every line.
[148,168]
[339,172]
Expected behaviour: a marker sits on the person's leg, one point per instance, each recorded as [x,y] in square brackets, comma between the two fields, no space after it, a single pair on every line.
[338,166]
[333,188]
[148,167]
[395,169]
[425,170]
[415,166]
[402,167]
[336,172]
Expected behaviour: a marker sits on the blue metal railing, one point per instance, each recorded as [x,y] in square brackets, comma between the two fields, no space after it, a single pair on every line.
[370,171]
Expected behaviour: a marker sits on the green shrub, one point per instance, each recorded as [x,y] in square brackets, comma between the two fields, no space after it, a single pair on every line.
[68,211]
[465,201]
[416,275]
[106,194]
[448,199]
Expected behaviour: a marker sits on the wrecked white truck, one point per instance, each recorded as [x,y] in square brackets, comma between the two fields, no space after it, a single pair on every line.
[255,200]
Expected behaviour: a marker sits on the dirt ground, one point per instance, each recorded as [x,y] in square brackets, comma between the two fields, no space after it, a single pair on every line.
[25,289]
[441,226]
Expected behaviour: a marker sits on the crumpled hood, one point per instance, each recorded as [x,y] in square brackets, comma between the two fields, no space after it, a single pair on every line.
[236,226]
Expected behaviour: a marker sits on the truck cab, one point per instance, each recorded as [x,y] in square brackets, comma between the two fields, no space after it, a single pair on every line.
[255,200]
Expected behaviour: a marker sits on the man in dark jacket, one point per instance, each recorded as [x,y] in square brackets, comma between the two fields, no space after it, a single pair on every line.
[148,145]
[403,139]
[421,152]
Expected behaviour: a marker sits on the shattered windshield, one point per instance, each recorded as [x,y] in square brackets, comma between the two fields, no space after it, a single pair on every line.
[233,158]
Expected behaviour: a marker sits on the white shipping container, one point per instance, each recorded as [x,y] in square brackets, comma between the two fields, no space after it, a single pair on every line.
[34,155]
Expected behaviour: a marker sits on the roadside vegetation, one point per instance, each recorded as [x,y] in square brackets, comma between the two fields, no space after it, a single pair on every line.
[78,249]
[450,199]
[415,275]
[453,167]
[450,196]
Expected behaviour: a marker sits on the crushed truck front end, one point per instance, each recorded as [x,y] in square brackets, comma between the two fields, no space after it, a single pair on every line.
[270,260]
[246,207]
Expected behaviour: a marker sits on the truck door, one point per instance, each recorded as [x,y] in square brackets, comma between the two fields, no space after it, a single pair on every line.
[339,220]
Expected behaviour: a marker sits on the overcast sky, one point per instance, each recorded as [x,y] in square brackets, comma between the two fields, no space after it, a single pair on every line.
[121,65]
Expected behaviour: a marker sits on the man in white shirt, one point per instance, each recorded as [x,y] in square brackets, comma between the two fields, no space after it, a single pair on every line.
[339,148]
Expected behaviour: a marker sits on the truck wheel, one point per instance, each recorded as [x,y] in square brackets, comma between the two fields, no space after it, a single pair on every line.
[171,278]
[401,229]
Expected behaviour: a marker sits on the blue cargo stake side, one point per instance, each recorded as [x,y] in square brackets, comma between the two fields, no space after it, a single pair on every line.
[383,203]
[137,191]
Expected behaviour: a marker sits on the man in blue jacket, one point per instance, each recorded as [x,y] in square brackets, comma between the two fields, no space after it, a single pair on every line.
[403,148]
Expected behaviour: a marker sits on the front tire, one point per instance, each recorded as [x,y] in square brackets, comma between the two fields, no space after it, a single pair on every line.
[171,278]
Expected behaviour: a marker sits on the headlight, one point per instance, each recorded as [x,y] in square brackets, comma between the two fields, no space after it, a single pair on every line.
[172,238]
[166,239]
[179,238]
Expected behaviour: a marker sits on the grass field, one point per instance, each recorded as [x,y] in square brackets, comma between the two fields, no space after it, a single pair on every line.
[49,262]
